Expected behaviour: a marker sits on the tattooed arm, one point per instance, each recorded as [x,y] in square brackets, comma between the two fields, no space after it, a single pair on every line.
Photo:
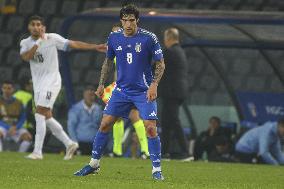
[106,68]
[159,70]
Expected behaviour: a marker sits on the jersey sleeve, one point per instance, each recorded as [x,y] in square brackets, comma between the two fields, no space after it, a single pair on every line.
[23,47]
[155,47]
[110,50]
[60,42]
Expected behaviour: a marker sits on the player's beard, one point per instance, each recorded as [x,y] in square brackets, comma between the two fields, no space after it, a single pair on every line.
[36,35]
[130,31]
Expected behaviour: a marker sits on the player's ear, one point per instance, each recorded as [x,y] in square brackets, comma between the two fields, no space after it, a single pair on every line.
[137,21]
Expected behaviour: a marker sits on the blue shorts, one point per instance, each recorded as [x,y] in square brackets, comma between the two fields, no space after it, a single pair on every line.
[120,105]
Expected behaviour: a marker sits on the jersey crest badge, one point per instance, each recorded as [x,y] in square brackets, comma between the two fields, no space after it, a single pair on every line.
[138,47]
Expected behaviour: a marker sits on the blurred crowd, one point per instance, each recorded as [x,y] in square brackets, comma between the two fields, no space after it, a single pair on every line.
[220,142]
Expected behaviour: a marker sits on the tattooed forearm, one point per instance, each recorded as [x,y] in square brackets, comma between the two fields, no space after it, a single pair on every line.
[159,70]
[105,71]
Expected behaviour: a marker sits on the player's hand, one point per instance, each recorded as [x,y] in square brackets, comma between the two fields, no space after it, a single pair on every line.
[100,91]
[152,92]
[13,131]
[101,48]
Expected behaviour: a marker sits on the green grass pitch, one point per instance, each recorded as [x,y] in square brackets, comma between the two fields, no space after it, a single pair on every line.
[53,172]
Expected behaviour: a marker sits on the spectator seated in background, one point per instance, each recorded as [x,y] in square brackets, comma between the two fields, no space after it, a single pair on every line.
[206,141]
[84,120]
[223,151]
[262,144]
[25,95]
[12,118]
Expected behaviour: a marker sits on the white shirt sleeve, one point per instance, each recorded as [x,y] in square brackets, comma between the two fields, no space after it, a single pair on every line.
[23,47]
[60,42]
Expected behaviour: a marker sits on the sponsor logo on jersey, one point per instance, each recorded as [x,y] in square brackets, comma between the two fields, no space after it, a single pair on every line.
[153,114]
[119,48]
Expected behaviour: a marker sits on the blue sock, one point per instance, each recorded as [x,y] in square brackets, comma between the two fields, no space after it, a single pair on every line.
[154,146]
[99,144]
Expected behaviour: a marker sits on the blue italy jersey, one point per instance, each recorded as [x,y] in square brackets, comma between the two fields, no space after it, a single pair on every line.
[134,56]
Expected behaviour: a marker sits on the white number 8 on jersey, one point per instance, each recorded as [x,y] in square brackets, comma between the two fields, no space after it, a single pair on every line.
[129,58]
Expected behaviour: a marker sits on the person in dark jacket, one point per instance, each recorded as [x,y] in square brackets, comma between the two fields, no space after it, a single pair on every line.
[206,141]
[223,151]
[173,91]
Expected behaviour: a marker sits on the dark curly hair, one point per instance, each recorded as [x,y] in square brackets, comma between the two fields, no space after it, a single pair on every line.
[129,9]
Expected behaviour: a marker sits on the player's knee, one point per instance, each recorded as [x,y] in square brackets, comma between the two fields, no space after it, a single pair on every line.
[134,116]
[151,130]
[48,115]
[44,111]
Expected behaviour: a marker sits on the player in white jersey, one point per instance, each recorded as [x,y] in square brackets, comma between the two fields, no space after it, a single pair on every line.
[40,50]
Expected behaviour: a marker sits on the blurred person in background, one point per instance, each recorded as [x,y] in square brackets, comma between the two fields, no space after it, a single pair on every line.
[25,93]
[262,144]
[173,92]
[223,151]
[40,50]
[12,118]
[206,141]
[84,120]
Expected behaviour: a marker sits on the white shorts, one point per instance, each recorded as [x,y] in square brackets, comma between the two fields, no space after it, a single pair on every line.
[17,136]
[46,98]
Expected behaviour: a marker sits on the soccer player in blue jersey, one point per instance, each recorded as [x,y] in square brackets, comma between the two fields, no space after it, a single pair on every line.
[135,49]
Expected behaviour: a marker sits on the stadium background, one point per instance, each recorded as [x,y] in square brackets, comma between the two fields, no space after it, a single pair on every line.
[232,46]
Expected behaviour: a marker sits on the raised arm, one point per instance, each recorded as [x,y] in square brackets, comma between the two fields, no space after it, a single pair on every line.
[159,70]
[106,68]
[87,46]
